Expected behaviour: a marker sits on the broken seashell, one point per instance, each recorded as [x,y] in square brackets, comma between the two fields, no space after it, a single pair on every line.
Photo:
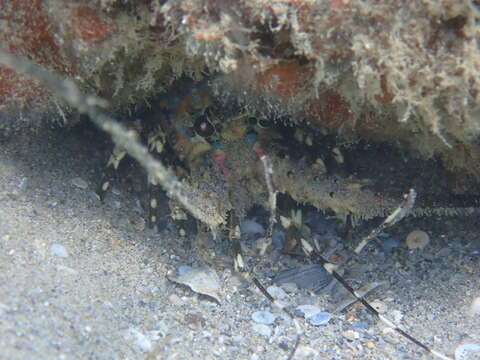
[202,280]
[417,239]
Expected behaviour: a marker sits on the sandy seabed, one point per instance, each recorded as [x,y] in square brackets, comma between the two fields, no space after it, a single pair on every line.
[84,280]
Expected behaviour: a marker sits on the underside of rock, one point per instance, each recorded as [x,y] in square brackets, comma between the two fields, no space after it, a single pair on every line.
[354,101]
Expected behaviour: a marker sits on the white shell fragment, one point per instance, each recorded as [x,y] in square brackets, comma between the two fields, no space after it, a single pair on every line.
[277,292]
[202,280]
[307,310]
[79,183]
[58,250]
[363,291]
[263,317]
[475,307]
[417,239]
[262,329]
[337,155]
[462,352]
[319,319]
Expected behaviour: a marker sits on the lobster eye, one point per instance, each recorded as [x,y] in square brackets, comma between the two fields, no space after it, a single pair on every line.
[203,127]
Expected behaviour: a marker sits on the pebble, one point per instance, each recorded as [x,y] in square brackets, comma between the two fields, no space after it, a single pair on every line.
[360,325]
[397,316]
[80,183]
[141,340]
[263,317]
[175,300]
[23,184]
[115,204]
[277,292]
[59,250]
[262,245]
[417,239]
[390,336]
[139,224]
[306,353]
[66,270]
[351,335]
[364,290]
[262,329]
[307,310]
[319,319]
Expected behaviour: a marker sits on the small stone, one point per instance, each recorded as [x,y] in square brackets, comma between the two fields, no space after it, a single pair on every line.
[397,316]
[263,317]
[319,319]
[360,325]
[23,184]
[262,245]
[59,250]
[351,335]
[305,352]
[175,300]
[65,270]
[262,329]
[194,320]
[369,345]
[417,239]
[390,336]
[115,204]
[307,310]
[80,183]
[363,291]
[139,224]
[277,292]
[142,341]
[337,155]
